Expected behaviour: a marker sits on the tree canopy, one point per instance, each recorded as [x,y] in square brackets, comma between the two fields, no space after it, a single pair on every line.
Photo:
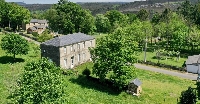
[13,15]
[14,44]
[40,83]
[68,17]
[113,57]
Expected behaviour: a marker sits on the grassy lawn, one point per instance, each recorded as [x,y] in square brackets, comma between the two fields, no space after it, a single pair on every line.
[9,71]
[172,61]
[157,89]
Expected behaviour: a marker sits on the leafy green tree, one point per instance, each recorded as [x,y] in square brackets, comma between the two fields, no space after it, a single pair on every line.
[14,44]
[143,15]
[139,30]
[102,23]
[4,10]
[188,97]
[40,83]
[67,17]
[18,15]
[113,58]
[131,17]
[116,19]
[156,18]
[45,36]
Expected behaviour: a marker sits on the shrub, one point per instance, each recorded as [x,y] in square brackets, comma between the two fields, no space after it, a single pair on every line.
[86,72]
[68,72]
[35,34]
[188,97]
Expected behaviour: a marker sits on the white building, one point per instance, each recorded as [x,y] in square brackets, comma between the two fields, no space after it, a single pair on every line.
[193,64]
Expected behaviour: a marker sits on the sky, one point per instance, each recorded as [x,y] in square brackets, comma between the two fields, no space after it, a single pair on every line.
[56,1]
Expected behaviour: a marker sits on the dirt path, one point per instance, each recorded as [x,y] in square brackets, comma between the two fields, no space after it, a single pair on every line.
[168,72]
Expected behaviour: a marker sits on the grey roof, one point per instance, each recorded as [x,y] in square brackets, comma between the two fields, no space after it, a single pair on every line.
[68,39]
[42,21]
[136,82]
[40,26]
[38,21]
[34,21]
[193,59]
[33,28]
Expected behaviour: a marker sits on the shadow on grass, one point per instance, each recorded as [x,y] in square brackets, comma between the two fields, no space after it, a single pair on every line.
[9,59]
[96,84]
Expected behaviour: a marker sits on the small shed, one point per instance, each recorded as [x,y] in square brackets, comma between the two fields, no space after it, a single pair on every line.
[134,87]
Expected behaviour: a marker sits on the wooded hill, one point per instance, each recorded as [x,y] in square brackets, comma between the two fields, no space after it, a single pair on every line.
[126,7]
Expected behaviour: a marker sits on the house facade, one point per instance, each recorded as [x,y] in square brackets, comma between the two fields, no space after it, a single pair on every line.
[35,25]
[193,64]
[68,51]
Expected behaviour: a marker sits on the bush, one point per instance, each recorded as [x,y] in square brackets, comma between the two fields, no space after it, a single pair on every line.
[188,97]
[68,72]
[35,34]
[86,72]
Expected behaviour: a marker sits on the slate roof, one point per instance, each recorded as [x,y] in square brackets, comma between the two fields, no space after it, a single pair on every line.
[136,82]
[68,39]
[34,21]
[38,21]
[193,59]
[42,21]
[40,26]
[33,28]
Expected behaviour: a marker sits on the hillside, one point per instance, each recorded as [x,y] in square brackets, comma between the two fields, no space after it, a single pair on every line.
[102,7]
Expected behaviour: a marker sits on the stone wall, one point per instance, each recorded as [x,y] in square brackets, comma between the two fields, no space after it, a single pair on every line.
[51,52]
[78,53]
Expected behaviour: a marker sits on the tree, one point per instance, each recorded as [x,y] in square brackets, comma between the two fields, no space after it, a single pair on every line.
[102,23]
[113,58]
[67,17]
[116,19]
[14,44]
[188,97]
[143,15]
[45,36]
[18,15]
[40,83]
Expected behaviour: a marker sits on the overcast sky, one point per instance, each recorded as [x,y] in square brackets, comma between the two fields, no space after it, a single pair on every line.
[55,1]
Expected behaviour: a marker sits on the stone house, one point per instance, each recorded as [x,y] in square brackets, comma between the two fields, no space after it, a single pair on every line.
[35,25]
[69,50]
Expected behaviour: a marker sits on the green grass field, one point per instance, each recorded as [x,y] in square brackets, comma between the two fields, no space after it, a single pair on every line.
[151,55]
[157,88]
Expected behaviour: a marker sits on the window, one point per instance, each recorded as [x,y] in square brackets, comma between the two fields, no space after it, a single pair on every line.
[65,49]
[83,44]
[90,43]
[71,47]
[65,62]
[72,61]
[83,56]
[79,56]
[78,46]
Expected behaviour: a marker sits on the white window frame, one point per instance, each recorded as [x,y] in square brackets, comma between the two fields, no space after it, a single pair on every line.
[65,62]
[83,44]
[78,46]
[71,47]
[79,57]
[90,42]
[83,56]
[65,49]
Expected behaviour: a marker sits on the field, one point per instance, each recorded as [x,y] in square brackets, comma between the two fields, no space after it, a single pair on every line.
[172,61]
[157,88]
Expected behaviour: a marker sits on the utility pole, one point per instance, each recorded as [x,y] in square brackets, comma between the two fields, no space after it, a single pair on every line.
[146,40]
